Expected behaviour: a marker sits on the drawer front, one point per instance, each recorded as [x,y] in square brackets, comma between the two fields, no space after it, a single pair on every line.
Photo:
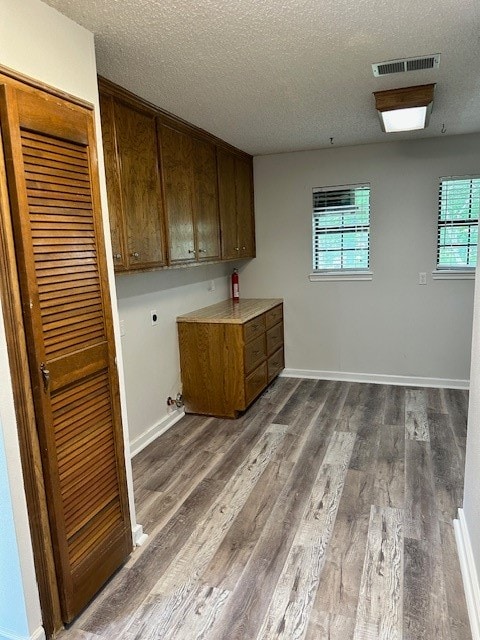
[255,353]
[253,328]
[274,338]
[274,315]
[275,364]
[255,383]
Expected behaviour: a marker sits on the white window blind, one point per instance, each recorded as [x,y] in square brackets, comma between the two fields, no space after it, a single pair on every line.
[458,210]
[341,228]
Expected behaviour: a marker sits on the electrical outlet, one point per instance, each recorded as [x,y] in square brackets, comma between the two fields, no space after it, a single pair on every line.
[422,277]
[154,317]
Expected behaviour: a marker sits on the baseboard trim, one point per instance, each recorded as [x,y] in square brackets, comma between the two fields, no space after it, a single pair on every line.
[469,573]
[139,443]
[38,634]
[377,378]
[138,536]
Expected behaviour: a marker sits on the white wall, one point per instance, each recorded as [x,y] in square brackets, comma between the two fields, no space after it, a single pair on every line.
[41,43]
[150,353]
[471,499]
[387,326]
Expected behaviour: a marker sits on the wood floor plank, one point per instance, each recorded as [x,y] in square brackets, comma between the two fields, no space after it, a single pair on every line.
[425,605]
[294,595]
[457,606]
[339,584]
[330,626]
[395,406]
[447,465]
[379,613]
[416,423]
[389,484]
[420,505]
[456,402]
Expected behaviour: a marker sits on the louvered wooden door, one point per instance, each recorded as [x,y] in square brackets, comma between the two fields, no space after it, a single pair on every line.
[52,181]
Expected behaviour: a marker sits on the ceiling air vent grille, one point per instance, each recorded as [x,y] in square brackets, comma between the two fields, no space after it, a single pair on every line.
[406,64]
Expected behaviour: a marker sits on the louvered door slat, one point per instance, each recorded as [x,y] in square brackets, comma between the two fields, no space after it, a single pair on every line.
[64,275]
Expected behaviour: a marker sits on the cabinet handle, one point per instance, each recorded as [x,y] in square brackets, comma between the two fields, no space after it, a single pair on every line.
[134,254]
[237,248]
[117,256]
[202,251]
[243,248]
[191,251]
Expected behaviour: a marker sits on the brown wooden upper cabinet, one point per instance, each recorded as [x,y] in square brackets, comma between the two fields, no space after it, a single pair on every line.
[189,172]
[235,187]
[133,185]
[177,195]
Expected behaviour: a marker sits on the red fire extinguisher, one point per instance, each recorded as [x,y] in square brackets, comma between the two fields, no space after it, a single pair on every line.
[235,286]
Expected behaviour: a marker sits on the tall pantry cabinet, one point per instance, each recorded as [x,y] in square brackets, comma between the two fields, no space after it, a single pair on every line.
[57,309]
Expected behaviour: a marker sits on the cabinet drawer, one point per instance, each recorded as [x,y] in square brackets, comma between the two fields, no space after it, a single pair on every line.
[254,328]
[255,383]
[274,315]
[274,338]
[255,353]
[275,364]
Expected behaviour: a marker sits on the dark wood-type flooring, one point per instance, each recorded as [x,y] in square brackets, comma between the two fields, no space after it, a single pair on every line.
[324,513]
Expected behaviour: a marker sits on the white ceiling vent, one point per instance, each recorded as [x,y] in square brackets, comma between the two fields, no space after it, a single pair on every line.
[406,64]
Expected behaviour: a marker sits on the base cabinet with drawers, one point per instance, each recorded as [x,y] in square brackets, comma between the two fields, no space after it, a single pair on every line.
[229,353]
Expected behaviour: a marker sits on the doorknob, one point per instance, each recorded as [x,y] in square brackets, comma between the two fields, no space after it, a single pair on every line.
[45,376]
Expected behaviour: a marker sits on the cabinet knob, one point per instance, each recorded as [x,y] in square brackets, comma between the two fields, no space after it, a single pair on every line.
[237,248]
[243,248]
[134,254]
[117,256]
[191,251]
[202,251]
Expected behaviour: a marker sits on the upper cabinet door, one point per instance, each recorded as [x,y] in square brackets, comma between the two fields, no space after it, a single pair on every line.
[227,203]
[207,223]
[118,230]
[176,159]
[140,185]
[244,201]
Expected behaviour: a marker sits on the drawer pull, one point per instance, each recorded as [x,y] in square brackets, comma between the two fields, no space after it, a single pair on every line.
[134,254]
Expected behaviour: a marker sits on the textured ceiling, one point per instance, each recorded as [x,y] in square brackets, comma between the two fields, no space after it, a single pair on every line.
[276,75]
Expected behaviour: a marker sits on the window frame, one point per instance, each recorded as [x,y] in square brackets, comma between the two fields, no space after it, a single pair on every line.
[343,273]
[451,271]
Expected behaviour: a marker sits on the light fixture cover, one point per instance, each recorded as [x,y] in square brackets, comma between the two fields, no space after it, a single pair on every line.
[405,109]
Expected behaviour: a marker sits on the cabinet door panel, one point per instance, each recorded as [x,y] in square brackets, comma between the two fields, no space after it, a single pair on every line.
[177,171]
[244,201]
[226,195]
[114,196]
[207,223]
[140,185]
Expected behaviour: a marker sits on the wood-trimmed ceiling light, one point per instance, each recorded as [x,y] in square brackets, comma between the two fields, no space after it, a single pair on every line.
[406,109]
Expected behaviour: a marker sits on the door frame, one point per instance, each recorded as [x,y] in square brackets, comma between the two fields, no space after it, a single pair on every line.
[30,453]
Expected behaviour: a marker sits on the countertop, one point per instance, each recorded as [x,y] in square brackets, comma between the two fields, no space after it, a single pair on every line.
[231,312]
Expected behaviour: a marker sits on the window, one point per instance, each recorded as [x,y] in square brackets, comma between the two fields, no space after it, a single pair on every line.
[341,228]
[458,209]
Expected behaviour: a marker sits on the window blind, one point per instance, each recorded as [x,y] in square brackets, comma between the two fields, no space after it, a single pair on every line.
[458,210]
[341,228]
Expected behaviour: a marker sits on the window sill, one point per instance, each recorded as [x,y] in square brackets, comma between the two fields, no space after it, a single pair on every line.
[334,276]
[453,274]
